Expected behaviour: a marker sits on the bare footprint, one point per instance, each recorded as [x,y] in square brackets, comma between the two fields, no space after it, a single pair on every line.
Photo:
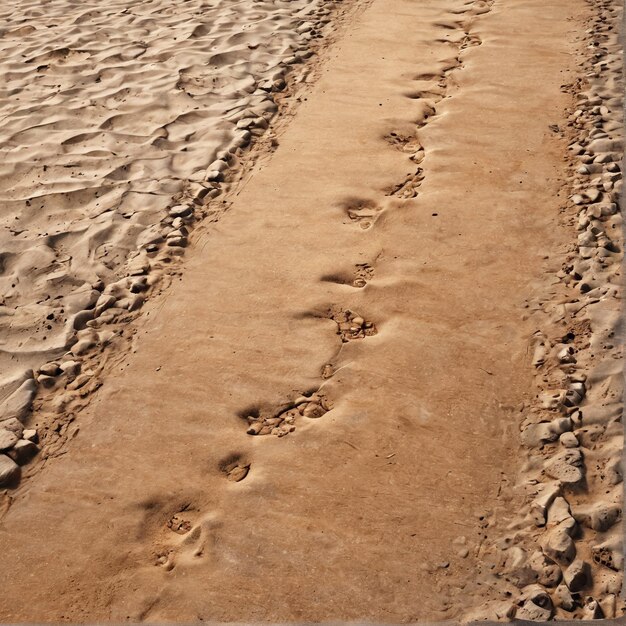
[408,188]
[364,213]
[358,278]
[350,325]
[235,467]
[282,422]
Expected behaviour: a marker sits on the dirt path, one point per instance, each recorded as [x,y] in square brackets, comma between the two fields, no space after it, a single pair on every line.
[377,262]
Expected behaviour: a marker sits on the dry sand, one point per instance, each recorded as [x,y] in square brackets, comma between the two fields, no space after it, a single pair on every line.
[386,383]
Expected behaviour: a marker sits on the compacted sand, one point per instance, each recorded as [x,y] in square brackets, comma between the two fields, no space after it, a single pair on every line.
[384,381]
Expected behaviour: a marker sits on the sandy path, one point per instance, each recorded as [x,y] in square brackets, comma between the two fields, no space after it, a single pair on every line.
[374,510]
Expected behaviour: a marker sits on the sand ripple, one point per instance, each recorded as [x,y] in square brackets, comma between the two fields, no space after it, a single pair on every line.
[109,113]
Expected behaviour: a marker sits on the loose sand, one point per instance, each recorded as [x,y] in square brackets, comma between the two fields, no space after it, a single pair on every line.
[378,349]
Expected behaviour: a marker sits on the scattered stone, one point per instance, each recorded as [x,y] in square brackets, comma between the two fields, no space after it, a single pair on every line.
[18,404]
[30,435]
[568,440]
[50,369]
[600,516]
[238,473]
[7,439]
[70,368]
[558,545]
[592,610]
[23,451]
[568,466]
[577,575]
[537,604]
[14,425]
[563,598]
[9,470]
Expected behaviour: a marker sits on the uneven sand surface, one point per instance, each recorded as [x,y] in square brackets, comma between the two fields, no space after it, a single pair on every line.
[321,419]
[110,113]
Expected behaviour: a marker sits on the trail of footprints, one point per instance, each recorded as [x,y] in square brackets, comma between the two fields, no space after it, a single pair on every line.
[350,325]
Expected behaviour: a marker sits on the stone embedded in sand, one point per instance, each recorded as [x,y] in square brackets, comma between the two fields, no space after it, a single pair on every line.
[600,516]
[563,598]
[14,425]
[31,435]
[9,470]
[577,576]
[46,381]
[7,439]
[559,513]
[18,404]
[539,506]
[181,210]
[568,440]
[537,604]
[104,302]
[255,428]
[558,545]
[50,369]
[70,368]
[546,571]
[23,451]
[535,435]
[82,347]
[238,473]
[568,466]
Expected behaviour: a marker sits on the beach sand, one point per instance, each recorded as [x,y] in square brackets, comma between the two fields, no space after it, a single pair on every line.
[384,381]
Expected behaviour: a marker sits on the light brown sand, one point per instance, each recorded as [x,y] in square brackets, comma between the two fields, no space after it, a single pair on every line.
[418,188]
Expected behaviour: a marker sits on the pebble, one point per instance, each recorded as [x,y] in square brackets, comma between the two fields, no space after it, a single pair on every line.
[31,435]
[598,517]
[9,470]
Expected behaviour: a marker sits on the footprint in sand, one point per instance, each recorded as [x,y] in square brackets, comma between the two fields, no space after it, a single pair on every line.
[408,188]
[358,278]
[364,213]
[235,467]
[351,325]
[189,534]
[311,405]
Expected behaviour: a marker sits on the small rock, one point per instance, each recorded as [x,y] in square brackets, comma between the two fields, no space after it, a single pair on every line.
[31,435]
[50,369]
[23,451]
[46,381]
[577,575]
[568,466]
[70,368]
[564,598]
[181,210]
[7,439]
[558,545]
[18,404]
[9,470]
[568,440]
[83,346]
[600,516]
[14,425]
[238,473]
[592,610]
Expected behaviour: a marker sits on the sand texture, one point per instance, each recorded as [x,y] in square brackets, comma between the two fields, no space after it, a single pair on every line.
[383,383]
[110,114]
